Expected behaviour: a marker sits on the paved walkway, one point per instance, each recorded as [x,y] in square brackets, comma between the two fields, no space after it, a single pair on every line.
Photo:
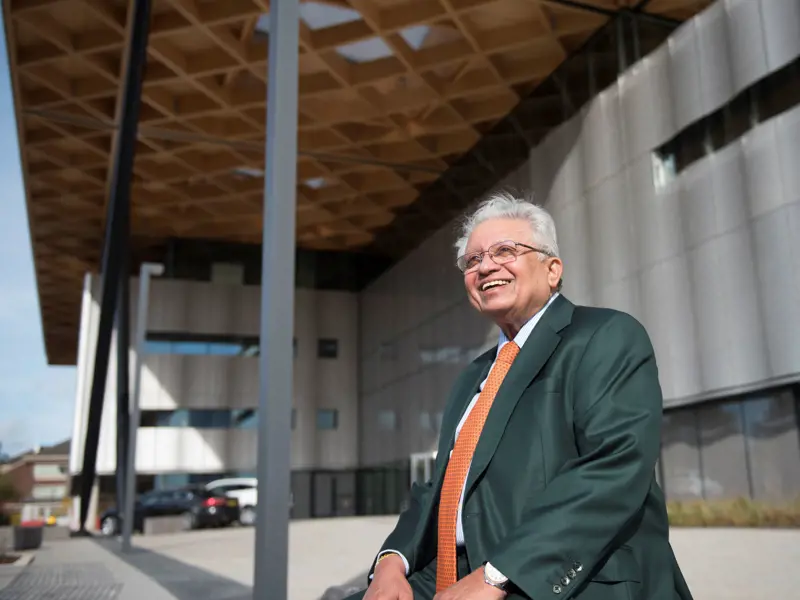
[218,565]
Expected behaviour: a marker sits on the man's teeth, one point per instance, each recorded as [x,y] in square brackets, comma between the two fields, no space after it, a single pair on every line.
[495,283]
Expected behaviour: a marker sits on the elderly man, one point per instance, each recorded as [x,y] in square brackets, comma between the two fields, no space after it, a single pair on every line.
[544,485]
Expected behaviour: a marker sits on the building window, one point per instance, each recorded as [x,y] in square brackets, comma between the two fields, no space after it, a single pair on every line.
[49,492]
[245,418]
[197,418]
[49,471]
[425,421]
[327,418]
[201,344]
[769,97]
[387,420]
[327,348]
[170,481]
[740,447]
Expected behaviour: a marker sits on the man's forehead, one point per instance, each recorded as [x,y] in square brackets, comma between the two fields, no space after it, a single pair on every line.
[498,231]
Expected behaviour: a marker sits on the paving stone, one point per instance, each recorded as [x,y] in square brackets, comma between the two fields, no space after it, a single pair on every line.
[63,582]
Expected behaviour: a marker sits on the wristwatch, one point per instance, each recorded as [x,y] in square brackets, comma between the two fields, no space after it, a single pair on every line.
[494,577]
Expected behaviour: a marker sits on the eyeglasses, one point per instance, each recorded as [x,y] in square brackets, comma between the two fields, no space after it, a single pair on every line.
[501,253]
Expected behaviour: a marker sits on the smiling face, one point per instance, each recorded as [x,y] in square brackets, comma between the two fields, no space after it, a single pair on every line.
[511,293]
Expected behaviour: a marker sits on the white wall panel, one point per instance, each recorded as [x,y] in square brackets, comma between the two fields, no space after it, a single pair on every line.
[730,191]
[669,316]
[686,85]
[787,126]
[647,108]
[781,19]
[337,387]
[762,168]
[716,80]
[601,138]
[747,50]
[572,224]
[777,256]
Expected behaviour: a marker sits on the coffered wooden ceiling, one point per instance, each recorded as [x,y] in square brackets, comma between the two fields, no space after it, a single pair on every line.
[391,92]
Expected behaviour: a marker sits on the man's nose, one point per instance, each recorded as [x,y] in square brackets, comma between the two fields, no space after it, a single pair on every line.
[487,265]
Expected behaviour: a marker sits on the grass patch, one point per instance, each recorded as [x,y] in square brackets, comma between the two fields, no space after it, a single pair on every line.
[733,513]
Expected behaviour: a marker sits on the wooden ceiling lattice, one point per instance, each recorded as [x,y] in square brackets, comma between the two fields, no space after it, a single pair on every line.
[391,93]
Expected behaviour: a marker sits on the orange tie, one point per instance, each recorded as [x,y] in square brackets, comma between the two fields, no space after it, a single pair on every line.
[458,467]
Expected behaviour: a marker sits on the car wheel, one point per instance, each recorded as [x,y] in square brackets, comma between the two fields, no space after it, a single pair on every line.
[108,527]
[247,516]
[189,521]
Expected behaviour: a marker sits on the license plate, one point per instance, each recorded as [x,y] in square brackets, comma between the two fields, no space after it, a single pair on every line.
[232,502]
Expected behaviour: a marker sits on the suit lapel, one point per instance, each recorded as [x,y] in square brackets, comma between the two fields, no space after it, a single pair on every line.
[537,350]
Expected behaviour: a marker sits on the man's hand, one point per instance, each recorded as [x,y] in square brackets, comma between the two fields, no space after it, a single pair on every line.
[471,587]
[389,581]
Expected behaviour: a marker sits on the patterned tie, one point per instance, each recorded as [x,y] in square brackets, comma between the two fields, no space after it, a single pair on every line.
[458,466]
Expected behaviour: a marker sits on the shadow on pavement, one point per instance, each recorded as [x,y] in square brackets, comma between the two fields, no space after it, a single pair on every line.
[183,581]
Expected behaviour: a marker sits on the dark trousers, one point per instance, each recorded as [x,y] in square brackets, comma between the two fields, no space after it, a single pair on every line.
[423,583]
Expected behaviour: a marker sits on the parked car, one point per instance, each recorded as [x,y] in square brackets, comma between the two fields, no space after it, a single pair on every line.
[244,490]
[198,506]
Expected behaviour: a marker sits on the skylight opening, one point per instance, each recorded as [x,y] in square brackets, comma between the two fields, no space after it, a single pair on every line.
[415,36]
[316,15]
[365,50]
[248,172]
[316,182]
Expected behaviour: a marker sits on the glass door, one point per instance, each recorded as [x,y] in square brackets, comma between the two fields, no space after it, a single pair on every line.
[422,466]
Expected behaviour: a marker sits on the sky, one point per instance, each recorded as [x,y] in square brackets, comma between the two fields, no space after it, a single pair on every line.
[36,400]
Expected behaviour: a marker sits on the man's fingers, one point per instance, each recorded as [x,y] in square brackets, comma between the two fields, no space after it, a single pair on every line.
[406,593]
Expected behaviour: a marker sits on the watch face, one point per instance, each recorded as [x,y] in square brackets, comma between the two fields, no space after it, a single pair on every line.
[493,575]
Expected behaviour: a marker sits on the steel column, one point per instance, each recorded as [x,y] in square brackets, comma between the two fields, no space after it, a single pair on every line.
[277,306]
[112,251]
[147,271]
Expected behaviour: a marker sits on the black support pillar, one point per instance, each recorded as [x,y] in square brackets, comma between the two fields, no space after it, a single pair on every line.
[123,353]
[115,250]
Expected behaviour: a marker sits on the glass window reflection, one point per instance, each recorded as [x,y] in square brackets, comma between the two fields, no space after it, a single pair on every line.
[680,456]
[773,445]
[201,345]
[725,473]
[327,418]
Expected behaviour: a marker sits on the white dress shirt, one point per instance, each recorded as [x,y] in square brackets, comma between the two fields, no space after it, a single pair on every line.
[520,340]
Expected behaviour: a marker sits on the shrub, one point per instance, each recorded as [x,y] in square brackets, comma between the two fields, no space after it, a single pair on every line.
[733,513]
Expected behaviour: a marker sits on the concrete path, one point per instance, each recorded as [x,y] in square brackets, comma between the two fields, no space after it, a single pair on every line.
[719,564]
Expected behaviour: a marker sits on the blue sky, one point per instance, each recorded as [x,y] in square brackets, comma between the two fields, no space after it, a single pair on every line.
[36,401]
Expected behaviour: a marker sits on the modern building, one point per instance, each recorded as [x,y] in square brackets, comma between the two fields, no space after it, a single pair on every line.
[663,137]
[40,478]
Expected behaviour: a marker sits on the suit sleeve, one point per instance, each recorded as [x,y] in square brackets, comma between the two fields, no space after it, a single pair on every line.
[586,510]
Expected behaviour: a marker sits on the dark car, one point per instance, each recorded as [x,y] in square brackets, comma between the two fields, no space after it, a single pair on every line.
[198,507]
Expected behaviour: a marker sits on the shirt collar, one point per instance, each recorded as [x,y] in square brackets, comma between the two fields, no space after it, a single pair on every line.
[526,330]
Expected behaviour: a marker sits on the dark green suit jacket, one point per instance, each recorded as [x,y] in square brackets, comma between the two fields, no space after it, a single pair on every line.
[561,496]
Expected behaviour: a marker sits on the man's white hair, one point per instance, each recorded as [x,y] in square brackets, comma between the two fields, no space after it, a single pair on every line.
[504,205]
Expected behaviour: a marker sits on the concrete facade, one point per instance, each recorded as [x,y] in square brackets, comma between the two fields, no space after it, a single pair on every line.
[190,380]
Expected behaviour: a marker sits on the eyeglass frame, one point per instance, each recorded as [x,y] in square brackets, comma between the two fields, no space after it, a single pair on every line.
[516,255]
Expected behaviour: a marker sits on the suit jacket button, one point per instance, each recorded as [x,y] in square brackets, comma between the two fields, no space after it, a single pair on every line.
[556,589]
[572,573]
[577,566]
[565,580]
